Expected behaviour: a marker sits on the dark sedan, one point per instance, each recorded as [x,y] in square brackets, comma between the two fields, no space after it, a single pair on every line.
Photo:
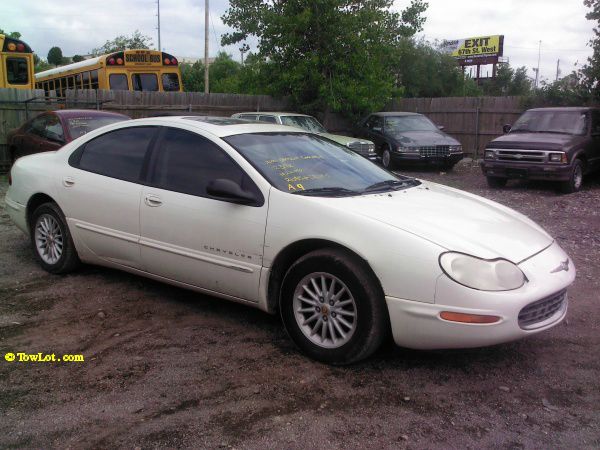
[51,130]
[404,138]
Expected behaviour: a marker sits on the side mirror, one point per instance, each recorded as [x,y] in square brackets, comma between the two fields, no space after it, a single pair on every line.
[506,128]
[441,127]
[229,191]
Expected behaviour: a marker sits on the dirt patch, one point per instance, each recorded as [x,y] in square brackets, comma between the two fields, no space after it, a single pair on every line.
[165,367]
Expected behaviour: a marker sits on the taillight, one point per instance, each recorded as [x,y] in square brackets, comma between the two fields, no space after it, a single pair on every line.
[20,47]
[111,61]
[11,47]
[10,178]
[167,61]
[119,61]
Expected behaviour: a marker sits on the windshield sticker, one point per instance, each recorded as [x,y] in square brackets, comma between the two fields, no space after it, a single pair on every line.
[292,174]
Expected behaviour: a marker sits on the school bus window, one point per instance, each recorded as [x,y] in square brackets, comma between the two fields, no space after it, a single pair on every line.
[16,71]
[78,79]
[86,80]
[118,82]
[94,79]
[170,82]
[57,87]
[144,82]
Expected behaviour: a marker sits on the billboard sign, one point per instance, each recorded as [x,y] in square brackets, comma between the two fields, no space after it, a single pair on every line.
[475,47]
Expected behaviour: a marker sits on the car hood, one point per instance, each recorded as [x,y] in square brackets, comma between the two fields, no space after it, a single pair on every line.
[424,138]
[534,141]
[453,219]
[344,140]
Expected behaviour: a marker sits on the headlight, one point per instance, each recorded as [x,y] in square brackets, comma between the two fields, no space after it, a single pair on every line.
[490,154]
[483,274]
[558,158]
[456,149]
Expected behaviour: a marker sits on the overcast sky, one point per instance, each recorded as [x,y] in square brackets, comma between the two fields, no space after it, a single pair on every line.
[77,27]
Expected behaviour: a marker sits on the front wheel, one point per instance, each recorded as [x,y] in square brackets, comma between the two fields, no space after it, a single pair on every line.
[52,244]
[332,308]
[573,184]
[386,158]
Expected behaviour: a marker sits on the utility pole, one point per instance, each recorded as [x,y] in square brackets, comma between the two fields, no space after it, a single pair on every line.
[557,69]
[537,72]
[206,90]
[158,15]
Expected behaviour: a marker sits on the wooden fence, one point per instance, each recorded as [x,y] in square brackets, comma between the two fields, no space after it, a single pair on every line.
[474,121]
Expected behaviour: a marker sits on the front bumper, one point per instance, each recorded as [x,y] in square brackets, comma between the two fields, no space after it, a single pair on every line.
[416,158]
[528,171]
[419,325]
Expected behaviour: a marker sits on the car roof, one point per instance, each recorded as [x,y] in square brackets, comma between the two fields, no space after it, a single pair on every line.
[395,113]
[565,108]
[271,113]
[218,126]
[67,113]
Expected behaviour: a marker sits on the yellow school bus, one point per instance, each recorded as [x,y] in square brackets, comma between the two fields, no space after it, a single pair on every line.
[16,64]
[128,70]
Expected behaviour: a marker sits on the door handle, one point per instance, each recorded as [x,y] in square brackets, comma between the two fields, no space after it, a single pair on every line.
[152,200]
[68,181]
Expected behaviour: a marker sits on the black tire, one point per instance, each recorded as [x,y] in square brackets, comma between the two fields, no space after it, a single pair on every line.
[371,320]
[496,182]
[386,158]
[68,259]
[575,181]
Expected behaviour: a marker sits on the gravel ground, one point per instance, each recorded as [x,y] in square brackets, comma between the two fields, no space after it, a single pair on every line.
[165,367]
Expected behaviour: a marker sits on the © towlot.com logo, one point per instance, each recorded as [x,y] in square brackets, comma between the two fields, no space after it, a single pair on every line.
[41,357]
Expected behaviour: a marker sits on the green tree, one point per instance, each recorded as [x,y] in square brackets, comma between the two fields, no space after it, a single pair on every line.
[77,58]
[508,81]
[327,55]
[136,41]
[55,56]
[192,76]
[224,74]
[12,34]
[590,73]
[39,65]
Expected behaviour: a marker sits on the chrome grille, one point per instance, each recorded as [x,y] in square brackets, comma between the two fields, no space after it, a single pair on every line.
[362,148]
[521,155]
[434,150]
[541,310]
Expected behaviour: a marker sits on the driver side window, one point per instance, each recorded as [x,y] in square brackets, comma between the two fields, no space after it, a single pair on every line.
[375,122]
[187,162]
[54,129]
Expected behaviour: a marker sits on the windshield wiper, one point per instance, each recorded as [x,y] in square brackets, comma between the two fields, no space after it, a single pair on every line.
[390,184]
[332,191]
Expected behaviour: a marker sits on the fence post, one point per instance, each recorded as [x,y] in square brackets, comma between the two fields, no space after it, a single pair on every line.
[477,132]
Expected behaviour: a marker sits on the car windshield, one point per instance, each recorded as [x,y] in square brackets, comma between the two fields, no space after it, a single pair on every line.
[307,123]
[78,126]
[400,124]
[307,164]
[563,122]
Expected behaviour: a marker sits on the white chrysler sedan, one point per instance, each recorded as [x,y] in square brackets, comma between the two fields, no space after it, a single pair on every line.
[284,220]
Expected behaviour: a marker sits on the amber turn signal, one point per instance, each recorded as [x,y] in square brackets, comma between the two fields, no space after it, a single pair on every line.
[468,318]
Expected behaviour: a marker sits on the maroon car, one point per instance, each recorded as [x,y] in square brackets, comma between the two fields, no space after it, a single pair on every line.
[51,130]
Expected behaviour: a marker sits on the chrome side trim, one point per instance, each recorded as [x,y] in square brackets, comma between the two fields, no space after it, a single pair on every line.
[194,255]
[108,232]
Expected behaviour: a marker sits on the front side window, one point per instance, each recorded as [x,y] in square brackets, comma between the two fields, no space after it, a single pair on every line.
[170,82]
[144,82]
[37,126]
[17,71]
[308,164]
[118,82]
[117,154]
[54,129]
[375,122]
[187,162]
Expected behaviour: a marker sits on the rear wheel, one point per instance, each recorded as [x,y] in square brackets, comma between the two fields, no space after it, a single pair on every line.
[332,308]
[573,184]
[496,182]
[52,244]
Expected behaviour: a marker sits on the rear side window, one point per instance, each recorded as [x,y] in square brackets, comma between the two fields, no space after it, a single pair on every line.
[269,119]
[187,162]
[117,154]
